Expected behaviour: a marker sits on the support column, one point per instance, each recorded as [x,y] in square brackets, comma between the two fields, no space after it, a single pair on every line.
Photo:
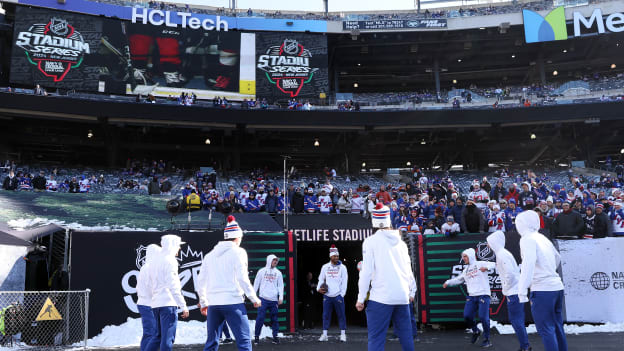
[541,68]
[436,75]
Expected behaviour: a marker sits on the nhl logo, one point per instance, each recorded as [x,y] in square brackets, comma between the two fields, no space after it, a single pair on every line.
[484,253]
[59,26]
[291,47]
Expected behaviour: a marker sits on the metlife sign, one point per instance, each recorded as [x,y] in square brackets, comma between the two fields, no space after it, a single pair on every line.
[593,278]
[553,26]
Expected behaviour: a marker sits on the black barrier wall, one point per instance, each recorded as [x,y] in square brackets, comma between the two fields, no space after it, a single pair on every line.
[439,259]
[108,264]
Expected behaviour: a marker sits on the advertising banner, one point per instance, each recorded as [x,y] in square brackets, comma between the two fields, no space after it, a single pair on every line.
[440,259]
[593,278]
[329,228]
[291,65]
[58,49]
[395,24]
[108,264]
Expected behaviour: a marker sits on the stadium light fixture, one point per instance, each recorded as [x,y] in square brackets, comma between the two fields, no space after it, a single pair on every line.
[454,81]
[482,28]
[355,85]
[555,73]
[316,143]
[533,136]
[423,142]
[207,142]
[359,64]
[408,164]
[565,50]
[89,134]
[459,60]
[613,66]
[622,151]
[363,164]
[513,56]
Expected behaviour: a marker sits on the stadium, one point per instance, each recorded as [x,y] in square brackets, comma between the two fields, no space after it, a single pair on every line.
[122,121]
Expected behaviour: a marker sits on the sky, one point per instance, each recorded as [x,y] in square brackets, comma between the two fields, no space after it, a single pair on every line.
[309,5]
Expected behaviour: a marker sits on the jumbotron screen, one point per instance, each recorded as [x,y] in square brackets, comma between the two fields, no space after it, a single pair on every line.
[57,49]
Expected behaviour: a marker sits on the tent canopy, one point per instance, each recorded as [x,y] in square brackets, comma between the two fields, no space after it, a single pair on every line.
[24,237]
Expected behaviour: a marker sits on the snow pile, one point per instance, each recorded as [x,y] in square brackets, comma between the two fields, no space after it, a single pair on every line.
[569,328]
[28,223]
[187,333]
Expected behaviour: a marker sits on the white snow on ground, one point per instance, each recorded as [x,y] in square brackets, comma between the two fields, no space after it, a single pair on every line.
[27,223]
[187,333]
[569,328]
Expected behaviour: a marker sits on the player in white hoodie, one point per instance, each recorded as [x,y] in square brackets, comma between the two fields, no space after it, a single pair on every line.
[387,274]
[332,283]
[221,286]
[166,291]
[475,276]
[269,284]
[509,273]
[151,338]
[540,260]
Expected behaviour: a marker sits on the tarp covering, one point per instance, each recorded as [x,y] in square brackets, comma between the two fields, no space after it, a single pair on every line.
[30,234]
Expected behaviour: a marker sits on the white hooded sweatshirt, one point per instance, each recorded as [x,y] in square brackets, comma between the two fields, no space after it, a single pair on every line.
[164,280]
[386,269]
[224,277]
[270,282]
[506,264]
[477,282]
[540,259]
[143,287]
[336,278]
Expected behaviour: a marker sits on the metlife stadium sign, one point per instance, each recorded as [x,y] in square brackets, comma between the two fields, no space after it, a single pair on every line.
[177,19]
[553,26]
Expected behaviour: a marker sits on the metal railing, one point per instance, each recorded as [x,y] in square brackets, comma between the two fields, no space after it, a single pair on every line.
[44,319]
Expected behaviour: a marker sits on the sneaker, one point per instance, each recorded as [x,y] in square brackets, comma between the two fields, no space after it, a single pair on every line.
[256,341]
[227,341]
[343,337]
[323,337]
[275,341]
[475,337]
[486,343]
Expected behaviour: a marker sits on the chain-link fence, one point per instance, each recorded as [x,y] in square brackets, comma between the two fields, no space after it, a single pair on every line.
[44,319]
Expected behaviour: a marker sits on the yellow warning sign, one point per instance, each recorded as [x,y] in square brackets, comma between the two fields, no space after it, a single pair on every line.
[49,312]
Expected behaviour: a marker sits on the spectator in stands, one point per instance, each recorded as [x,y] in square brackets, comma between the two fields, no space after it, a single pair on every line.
[568,223]
[472,220]
[601,223]
[271,202]
[10,182]
[297,202]
[616,216]
[383,196]
[513,193]
[24,182]
[73,186]
[545,223]
[344,203]
[498,193]
[165,186]
[324,202]
[589,218]
[39,182]
[252,205]
[526,195]
[154,187]
[450,228]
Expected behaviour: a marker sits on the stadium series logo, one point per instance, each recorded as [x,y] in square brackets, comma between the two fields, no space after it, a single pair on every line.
[287,66]
[549,28]
[55,47]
